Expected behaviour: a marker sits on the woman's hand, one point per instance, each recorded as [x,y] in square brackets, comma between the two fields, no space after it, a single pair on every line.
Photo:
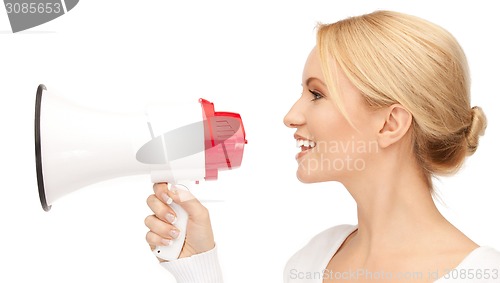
[199,234]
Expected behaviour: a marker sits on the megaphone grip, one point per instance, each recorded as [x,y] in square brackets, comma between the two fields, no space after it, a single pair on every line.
[173,251]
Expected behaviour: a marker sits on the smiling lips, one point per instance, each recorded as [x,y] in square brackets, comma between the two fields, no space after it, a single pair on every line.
[305,146]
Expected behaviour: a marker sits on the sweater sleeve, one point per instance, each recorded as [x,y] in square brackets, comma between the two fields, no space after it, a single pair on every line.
[200,268]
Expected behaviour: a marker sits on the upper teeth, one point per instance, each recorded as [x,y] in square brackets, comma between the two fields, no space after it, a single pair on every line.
[306,143]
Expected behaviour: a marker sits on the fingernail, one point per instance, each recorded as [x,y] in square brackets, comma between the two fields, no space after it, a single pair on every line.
[174,233]
[166,198]
[171,218]
[166,242]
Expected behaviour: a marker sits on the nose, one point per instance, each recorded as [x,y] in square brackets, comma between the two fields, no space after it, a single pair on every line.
[295,116]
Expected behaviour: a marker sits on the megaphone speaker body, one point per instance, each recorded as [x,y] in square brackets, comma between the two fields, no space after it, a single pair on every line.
[76,146]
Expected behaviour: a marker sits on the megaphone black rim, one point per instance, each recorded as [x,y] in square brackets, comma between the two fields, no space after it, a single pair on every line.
[38,148]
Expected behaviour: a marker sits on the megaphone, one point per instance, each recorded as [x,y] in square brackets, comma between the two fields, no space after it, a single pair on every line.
[76,146]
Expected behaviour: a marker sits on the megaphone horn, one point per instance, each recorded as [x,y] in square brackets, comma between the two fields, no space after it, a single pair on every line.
[76,146]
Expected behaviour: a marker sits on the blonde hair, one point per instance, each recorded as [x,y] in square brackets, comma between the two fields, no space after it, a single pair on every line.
[397,58]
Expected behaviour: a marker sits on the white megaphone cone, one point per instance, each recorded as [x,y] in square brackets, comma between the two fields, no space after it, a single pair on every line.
[77,146]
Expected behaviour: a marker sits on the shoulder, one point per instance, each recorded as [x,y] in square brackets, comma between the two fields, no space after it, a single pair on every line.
[482,257]
[330,237]
[314,256]
[481,265]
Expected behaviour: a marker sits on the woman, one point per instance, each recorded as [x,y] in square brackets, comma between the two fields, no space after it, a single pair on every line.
[385,106]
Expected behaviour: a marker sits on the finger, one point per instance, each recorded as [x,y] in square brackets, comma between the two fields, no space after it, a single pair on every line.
[161,192]
[187,201]
[159,189]
[155,240]
[162,211]
[161,228]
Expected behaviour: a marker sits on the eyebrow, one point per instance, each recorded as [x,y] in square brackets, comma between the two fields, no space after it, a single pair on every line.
[310,79]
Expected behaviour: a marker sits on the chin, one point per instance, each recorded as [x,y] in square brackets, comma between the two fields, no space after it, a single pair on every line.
[307,178]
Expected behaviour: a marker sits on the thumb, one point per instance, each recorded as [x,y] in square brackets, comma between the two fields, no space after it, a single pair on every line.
[184,198]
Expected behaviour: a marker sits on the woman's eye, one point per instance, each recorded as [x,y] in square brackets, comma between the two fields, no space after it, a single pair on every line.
[316,95]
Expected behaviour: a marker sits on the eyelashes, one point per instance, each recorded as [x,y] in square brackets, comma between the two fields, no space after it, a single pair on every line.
[316,95]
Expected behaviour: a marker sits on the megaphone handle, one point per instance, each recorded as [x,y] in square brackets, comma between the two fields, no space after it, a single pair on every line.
[173,251]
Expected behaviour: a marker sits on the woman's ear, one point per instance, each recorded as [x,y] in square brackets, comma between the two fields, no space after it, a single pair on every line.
[395,124]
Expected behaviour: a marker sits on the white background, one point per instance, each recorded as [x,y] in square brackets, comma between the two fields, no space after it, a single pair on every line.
[246,57]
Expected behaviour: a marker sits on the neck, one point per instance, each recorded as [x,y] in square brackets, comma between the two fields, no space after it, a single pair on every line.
[395,209]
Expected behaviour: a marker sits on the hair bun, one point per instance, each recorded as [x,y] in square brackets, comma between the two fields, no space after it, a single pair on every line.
[476,129]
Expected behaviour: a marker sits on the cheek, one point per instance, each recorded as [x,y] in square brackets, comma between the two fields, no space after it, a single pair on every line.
[340,149]
[330,128]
